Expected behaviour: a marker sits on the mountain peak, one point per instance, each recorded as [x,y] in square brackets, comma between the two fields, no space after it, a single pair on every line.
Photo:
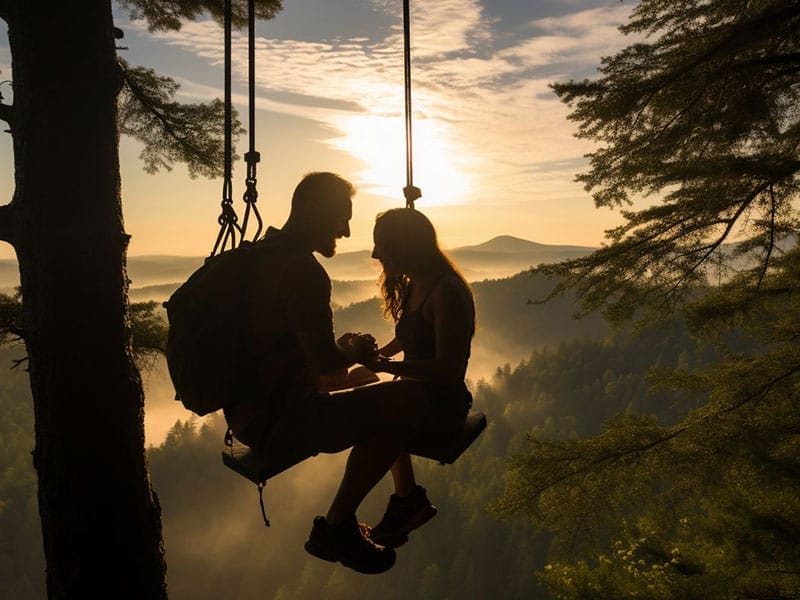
[507,243]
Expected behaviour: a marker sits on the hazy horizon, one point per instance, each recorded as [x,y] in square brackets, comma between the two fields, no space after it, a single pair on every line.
[494,151]
[500,256]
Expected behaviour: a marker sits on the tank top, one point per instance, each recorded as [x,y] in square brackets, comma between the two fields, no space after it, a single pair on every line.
[417,335]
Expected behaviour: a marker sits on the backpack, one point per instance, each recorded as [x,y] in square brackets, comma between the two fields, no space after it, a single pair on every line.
[206,353]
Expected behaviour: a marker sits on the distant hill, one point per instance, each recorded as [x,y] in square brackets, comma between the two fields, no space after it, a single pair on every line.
[499,257]
[508,327]
[343,292]
[143,271]
[157,270]
[515,245]
[506,255]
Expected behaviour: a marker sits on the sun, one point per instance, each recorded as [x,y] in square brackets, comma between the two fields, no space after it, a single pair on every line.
[379,143]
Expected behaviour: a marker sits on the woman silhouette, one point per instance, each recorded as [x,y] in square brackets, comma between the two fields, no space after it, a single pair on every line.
[434,313]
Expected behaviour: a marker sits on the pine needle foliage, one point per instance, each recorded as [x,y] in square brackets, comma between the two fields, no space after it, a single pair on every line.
[171,131]
[163,15]
[701,115]
[704,115]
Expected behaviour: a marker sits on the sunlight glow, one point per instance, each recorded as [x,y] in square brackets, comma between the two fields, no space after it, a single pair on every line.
[379,142]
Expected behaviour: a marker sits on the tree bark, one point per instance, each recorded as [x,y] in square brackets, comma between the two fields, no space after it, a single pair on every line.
[7,224]
[100,518]
[6,114]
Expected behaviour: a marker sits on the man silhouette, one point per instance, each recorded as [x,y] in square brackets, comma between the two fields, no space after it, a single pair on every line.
[284,407]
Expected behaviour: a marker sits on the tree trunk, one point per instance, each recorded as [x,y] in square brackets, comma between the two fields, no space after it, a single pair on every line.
[100,518]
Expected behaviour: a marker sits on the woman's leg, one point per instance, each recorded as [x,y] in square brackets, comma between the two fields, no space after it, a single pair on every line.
[377,421]
[403,475]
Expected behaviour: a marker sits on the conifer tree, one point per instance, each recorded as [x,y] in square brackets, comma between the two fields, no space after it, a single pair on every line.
[699,119]
[72,97]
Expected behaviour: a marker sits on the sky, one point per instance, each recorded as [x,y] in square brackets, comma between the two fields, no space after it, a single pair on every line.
[494,152]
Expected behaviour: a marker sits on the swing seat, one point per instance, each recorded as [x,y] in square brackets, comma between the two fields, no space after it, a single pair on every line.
[258,467]
[446,450]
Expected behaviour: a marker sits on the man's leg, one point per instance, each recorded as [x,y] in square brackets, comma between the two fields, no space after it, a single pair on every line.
[366,466]
[378,421]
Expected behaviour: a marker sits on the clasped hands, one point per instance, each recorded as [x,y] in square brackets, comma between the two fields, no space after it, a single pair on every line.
[363,349]
[358,347]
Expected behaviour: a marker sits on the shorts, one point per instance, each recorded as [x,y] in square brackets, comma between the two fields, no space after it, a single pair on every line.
[334,422]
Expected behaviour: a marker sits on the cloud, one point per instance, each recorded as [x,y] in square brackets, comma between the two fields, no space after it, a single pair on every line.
[483,109]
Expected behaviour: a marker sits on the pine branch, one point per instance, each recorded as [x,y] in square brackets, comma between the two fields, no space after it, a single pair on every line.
[158,114]
[731,221]
[18,361]
[169,130]
[611,457]
[771,245]
[166,15]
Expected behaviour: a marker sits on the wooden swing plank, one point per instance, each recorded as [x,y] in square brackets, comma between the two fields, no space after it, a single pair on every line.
[258,467]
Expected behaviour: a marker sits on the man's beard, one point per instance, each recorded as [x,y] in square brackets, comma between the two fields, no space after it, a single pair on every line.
[328,248]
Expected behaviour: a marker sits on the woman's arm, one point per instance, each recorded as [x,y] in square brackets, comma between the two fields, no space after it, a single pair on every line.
[390,349]
[451,312]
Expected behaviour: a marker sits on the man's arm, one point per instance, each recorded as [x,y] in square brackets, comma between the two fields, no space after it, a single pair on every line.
[306,290]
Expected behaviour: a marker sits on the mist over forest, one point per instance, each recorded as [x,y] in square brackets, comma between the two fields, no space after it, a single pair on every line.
[534,370]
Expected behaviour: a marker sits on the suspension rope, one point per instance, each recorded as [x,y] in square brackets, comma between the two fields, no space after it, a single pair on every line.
[410,192]
[228,221]
[251,157]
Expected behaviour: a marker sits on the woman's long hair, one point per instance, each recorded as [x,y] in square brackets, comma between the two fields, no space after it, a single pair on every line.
[410,237]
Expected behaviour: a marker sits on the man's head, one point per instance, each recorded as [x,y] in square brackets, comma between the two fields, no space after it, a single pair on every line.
[321,211]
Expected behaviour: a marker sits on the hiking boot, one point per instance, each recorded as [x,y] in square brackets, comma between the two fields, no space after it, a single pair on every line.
[347,544]
[403,515]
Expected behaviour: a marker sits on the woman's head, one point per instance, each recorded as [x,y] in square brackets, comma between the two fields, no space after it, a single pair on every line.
[405,241]
[406,245]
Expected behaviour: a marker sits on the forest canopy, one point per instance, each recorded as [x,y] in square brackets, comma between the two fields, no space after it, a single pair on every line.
[701,116]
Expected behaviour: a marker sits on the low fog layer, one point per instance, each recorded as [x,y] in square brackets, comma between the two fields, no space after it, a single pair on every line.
[509,329]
